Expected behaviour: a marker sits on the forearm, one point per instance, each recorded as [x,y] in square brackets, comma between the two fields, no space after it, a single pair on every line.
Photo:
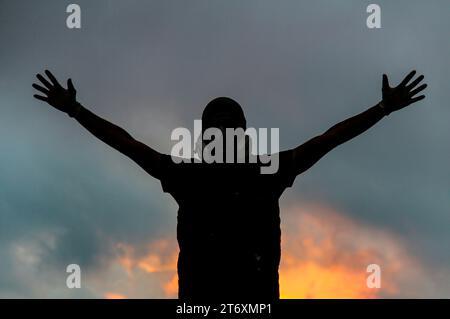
[107,132]
[394,99]
[119,139]
[307,154]
[354,126]
[65,101]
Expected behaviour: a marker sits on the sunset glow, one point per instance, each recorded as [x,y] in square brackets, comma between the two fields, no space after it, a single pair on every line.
[112,295]
[324,255]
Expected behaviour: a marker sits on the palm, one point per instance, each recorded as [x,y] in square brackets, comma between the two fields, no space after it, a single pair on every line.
[55,95]
[396,98]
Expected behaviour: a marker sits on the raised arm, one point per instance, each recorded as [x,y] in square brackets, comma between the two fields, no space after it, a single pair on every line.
[116,137]
[307,154]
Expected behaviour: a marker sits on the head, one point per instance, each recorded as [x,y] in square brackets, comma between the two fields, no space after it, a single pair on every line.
[222,113]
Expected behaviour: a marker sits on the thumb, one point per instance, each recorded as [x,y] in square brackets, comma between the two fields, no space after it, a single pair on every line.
[385,81]
[70,86]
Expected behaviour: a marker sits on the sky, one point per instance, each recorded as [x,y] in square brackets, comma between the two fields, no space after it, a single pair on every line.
[152,66]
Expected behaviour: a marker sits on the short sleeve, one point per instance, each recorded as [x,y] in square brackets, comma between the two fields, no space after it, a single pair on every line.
[279,171]
[168,173]
[286,171]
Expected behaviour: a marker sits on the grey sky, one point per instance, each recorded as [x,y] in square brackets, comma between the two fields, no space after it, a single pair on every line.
[151,66]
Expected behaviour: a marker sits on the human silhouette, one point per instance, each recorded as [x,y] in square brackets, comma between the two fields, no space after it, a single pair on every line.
[228,227]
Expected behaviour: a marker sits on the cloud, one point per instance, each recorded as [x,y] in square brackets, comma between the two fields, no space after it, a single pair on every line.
[113,295]
[326,254]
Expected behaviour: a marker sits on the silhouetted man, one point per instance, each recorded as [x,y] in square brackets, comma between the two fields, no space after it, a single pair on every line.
[228,220]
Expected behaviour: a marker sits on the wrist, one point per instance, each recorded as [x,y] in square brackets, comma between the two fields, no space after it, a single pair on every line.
[383,108]
[75,110]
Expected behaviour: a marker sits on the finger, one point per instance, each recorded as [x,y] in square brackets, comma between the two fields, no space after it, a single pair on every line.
[40,97]
[52,78]
[419,89]
[70,86]
[40,88]
[44,81]
[408,78]
[415,82]
[416,99]
[385,81]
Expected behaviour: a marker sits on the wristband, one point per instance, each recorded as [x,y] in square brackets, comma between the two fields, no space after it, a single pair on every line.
[383,107]
[75,110]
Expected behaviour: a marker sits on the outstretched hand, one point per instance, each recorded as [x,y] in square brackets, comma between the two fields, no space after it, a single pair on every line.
[54,94]
[396,98]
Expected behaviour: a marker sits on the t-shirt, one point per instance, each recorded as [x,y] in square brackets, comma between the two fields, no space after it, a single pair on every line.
[228,227]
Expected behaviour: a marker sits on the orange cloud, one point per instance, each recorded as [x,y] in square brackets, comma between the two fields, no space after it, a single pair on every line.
[324,255]
[171,287]
[112,295]
[161,255]
[159,259]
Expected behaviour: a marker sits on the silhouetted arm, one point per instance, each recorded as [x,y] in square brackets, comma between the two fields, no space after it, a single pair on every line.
[307,154]
[119,139]
[116,137]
